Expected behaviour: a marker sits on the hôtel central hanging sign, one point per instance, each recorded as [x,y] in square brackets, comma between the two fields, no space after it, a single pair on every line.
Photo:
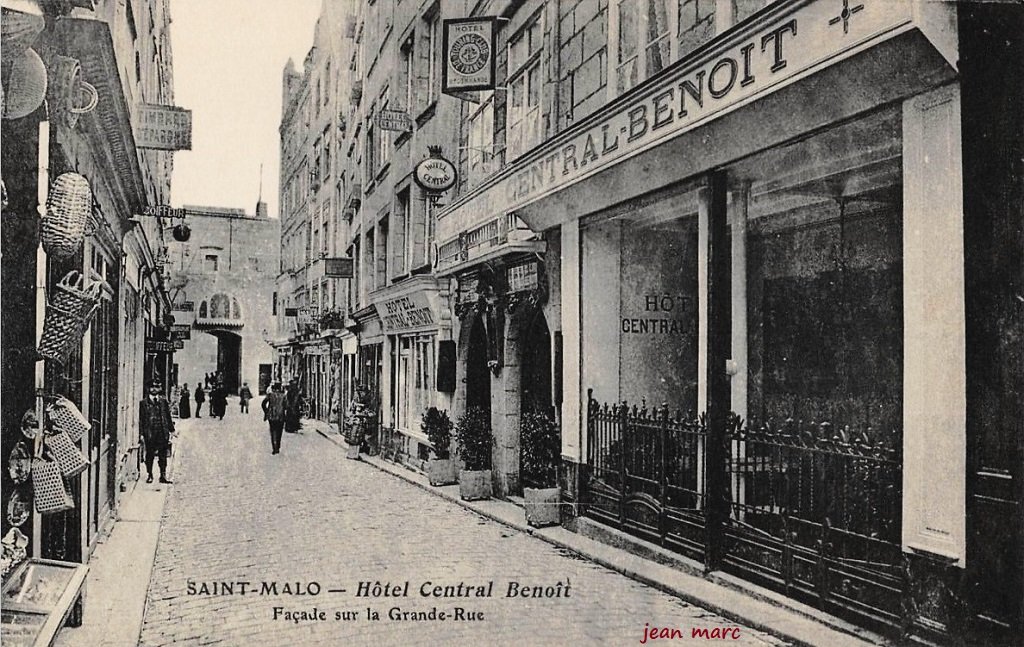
[435,174]
[788,45]
[468,55]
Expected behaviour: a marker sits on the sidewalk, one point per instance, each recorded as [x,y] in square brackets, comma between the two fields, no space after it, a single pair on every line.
[733,598]
[120,569]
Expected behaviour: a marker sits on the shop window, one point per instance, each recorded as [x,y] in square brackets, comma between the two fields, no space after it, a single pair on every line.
[640,301]
[525,78]
[415,380]
[823,284]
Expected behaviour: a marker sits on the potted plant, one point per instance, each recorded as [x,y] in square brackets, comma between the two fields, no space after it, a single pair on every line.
[540,449]
[356,420]
[441,469]
[473,434]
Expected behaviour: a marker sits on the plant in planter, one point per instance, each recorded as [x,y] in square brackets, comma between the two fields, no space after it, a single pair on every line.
[441,469]
[473,434]
[540,448]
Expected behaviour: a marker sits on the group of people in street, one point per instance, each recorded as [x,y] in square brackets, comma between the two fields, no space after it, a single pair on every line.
[218,400]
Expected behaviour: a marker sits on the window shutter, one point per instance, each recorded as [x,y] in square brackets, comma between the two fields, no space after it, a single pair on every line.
[420,211]
[397,251]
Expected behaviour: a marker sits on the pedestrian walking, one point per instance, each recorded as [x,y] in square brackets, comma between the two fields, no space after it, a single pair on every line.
[273,413]
[155,427]
[244,395]
[218,401]
[184,407]
[292,408]
[200,399]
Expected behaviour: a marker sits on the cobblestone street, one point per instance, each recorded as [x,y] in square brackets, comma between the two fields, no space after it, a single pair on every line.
[309,518]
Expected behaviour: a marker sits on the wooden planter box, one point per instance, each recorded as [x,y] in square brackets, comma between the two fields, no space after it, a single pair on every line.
[542,506]
[474,485]
[442,471]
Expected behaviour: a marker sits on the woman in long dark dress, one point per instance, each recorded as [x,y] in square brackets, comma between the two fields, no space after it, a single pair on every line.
[184,403]
[292,408]
[218,401]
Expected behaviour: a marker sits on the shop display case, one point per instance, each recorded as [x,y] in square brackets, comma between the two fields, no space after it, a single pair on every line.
[39,598]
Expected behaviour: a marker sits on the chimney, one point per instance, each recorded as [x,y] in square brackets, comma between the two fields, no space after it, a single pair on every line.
[261,209]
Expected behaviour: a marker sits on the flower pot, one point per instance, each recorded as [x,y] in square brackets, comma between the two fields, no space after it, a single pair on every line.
[474,485]
[542,506]
[442,471]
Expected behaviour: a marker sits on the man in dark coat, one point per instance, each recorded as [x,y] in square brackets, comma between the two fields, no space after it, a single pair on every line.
[200,399]
[273,413]
[156,427]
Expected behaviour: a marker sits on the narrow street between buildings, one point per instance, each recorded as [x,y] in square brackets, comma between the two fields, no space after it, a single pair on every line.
[252,545]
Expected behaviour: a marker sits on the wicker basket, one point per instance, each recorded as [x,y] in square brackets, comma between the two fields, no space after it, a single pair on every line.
[65,417]
[67,454]
[67,316]
[25,86]
[48,489]
[68,208]
[18,30]
[68,96]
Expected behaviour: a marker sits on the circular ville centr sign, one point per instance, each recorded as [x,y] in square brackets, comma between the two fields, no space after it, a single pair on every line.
[435,174]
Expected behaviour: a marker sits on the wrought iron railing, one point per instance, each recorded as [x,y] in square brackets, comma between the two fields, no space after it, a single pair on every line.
[646,474]
[809,508]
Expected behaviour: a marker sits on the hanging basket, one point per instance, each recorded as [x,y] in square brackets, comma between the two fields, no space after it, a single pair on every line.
[24,85]
[65,417]
[67,454]
[49,491]
[68,96]
[68,208]
[19,463]
[18,30]
[67,316]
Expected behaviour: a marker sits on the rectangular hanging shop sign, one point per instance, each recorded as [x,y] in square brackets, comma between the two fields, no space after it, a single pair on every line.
[178,344]
[468,53]
[291,312]
[338,268]
[154,346]
[397,120]
[777,51]
[166,128]
[406,312]
[305,315]
[522,277]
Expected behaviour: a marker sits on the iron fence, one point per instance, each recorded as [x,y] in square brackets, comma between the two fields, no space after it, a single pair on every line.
[810,509]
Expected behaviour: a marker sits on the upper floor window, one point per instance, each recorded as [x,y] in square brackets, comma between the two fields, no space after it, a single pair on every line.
[643,46]
[409,73]
[480,147]
[433,44]
[210,263]
[384,136]
[524,88]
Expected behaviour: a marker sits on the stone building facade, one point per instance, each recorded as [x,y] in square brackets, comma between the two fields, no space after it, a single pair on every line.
[122,49]
[222,282]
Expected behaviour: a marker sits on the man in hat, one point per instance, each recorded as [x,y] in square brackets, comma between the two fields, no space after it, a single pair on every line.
[156,427]
[274,414]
